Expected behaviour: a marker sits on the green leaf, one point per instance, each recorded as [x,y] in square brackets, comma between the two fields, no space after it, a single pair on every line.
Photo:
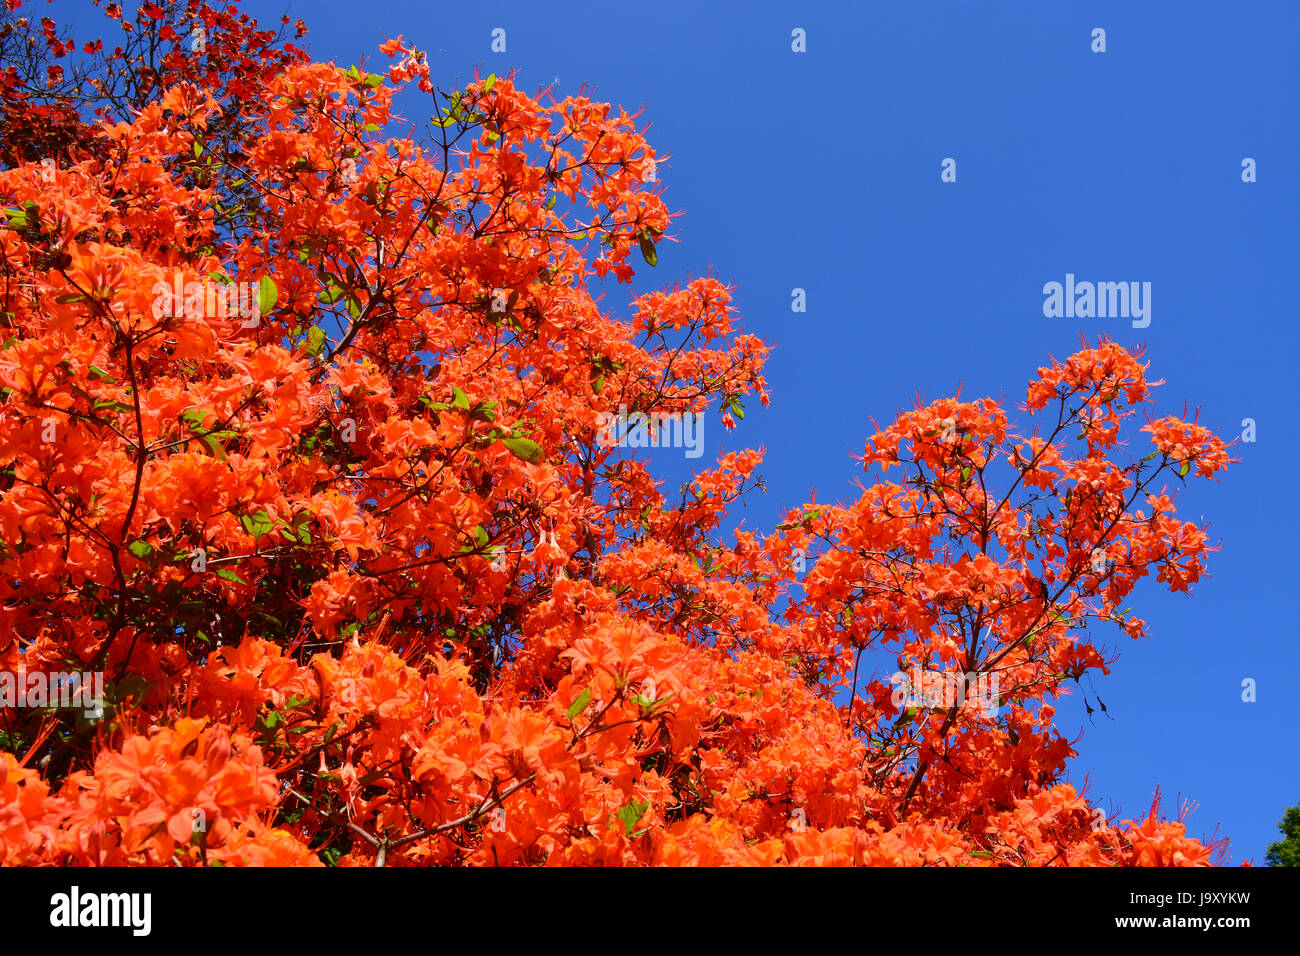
[550,203]
[579,704]
[524,448]
[631,814]
[373,80]
[17,218]
[646,702]
[215,448]
[229,575]
[371,777]
[1187,466]
[315,339]
[141,549]
[125,689]
[648,251]
[257,524]
[459,399]
[104,403]
[738,409]
[490,82]
[267,295]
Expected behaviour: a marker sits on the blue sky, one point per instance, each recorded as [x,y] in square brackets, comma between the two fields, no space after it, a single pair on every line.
[821,170]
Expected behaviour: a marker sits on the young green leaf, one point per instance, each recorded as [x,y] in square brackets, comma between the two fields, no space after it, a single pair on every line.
[267,295]
[141,549]
[315,339]
[523,448]
[579,704]
[257,524]
[631,814]
[648,251]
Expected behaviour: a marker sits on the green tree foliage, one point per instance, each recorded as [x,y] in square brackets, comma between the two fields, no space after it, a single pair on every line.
[1286,852]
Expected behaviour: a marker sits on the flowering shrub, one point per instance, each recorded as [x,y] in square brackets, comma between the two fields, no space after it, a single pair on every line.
[364,583]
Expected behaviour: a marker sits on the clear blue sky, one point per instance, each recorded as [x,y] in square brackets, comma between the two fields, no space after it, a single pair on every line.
[821,170]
